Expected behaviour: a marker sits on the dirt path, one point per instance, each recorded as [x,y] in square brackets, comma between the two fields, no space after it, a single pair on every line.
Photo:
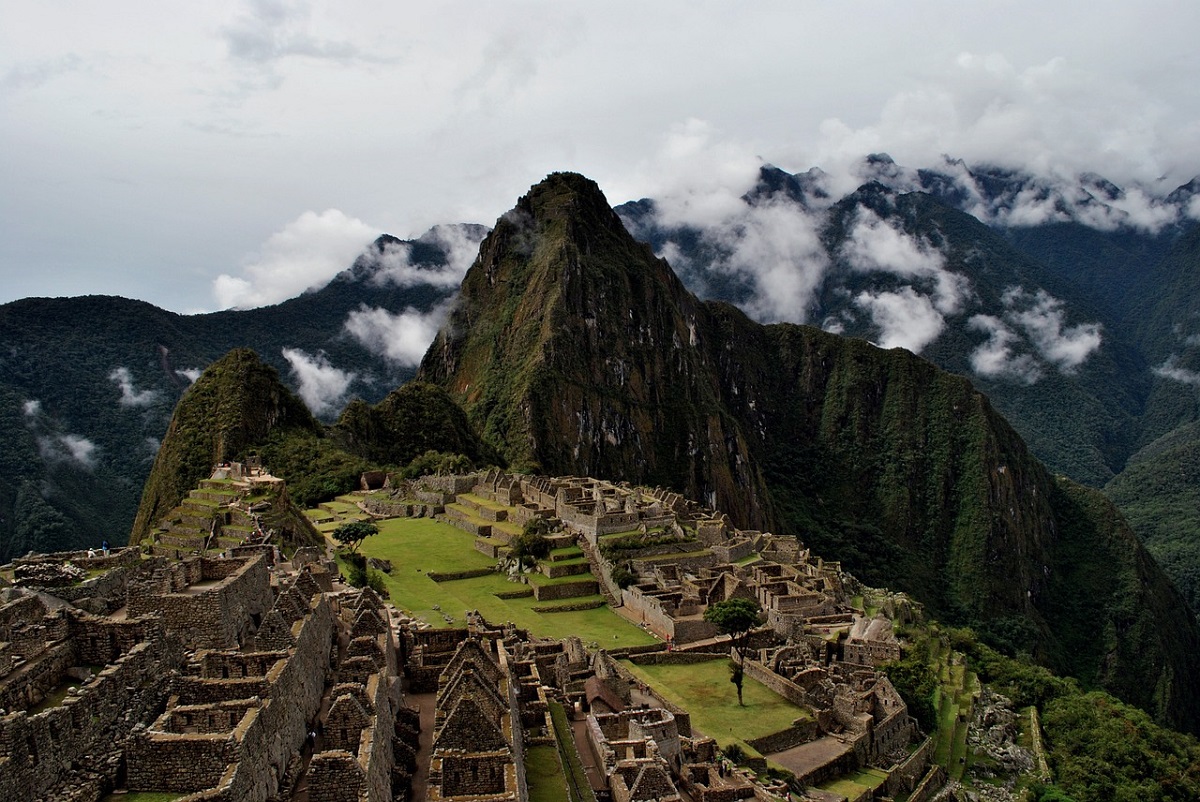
[426,704]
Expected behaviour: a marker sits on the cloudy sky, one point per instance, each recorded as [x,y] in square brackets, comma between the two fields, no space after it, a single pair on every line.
[203,155]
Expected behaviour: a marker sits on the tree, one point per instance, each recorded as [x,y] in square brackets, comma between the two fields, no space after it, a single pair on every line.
[735,618]
[529,547]
[354,533]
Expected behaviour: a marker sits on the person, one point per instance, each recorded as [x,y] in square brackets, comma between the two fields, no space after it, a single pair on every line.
[91,553]
[104,547]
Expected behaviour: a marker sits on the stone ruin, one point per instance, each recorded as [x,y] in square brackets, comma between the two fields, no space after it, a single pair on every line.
[206,680]
[249,677]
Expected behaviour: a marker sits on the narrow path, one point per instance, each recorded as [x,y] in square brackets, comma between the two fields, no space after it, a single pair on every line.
[426,704]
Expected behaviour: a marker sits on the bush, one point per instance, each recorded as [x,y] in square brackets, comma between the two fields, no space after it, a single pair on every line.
[529,547]
[623,577]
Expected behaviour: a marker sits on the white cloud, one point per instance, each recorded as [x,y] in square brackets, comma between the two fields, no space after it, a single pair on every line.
[699,181]
[305,253]
[1051,118]
[1193,208]
[31,408]
[906,319]
[1042,316]
[191,374]
[1170,369]
[68,448]
[877,246]
[130,396]
[401,338]
[395,266]
[275,29]
[698,178]
[322,386]
[995,357]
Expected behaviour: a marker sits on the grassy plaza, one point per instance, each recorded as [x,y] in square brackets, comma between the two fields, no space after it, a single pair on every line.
[704,690]
[416,546]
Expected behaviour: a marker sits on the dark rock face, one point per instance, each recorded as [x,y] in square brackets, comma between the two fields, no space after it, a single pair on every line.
[574,350]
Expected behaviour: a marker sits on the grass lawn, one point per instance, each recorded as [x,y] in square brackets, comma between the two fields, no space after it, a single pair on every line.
[545,775]
[705,691]
[142,796]
[579,790]
[416,546]
[853,786]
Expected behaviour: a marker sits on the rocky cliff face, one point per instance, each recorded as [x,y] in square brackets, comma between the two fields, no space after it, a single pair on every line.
[574,350]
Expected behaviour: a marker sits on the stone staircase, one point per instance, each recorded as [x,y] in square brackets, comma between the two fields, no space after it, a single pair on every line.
[205,520]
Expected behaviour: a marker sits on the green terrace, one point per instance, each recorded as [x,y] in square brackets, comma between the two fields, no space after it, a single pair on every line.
[418,546]
[859,785]
[953,700]
[704,690]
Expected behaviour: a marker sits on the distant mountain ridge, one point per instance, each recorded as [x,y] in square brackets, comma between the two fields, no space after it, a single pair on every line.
[87,385]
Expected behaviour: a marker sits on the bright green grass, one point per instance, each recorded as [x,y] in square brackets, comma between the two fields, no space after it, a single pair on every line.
[853,786]
[580,790]
[705,691]
[416,546]
[545,775]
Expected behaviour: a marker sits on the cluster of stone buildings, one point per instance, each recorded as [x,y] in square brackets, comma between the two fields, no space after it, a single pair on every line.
[246,677]
[817,647]
[217,679]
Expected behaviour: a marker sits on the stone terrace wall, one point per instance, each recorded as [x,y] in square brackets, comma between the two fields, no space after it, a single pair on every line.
[261,744]
[37,678]
[281,725]
[38,751]
[781,685]
[214,617]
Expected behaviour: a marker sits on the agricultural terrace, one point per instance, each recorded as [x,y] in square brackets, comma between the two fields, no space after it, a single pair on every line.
[704,690]
[416,546]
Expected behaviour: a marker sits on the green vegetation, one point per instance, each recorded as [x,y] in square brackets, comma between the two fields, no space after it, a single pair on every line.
[1099,748]
[231,409]
[142,796]
[914,677]
[735,618]
[1159,493]
[544,772]
[352,534]
[578,787]
[703,690]
[419,546]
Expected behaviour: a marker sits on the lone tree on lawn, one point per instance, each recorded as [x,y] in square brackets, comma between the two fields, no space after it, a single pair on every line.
[354,533]
[735,617]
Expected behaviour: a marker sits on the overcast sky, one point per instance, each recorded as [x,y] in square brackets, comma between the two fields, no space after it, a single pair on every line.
[201,155]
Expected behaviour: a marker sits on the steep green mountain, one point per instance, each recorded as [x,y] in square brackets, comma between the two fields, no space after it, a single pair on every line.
[574,350]
[1159,493]
[412,419]
[566,359]
[235,405]
[239,407]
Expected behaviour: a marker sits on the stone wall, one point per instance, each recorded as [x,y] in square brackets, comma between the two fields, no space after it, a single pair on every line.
[263,741]
[566,590]
[781,685]
[214,617]
[36,752]
[801,732]
[904,776]
[38,677]
[107,589]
